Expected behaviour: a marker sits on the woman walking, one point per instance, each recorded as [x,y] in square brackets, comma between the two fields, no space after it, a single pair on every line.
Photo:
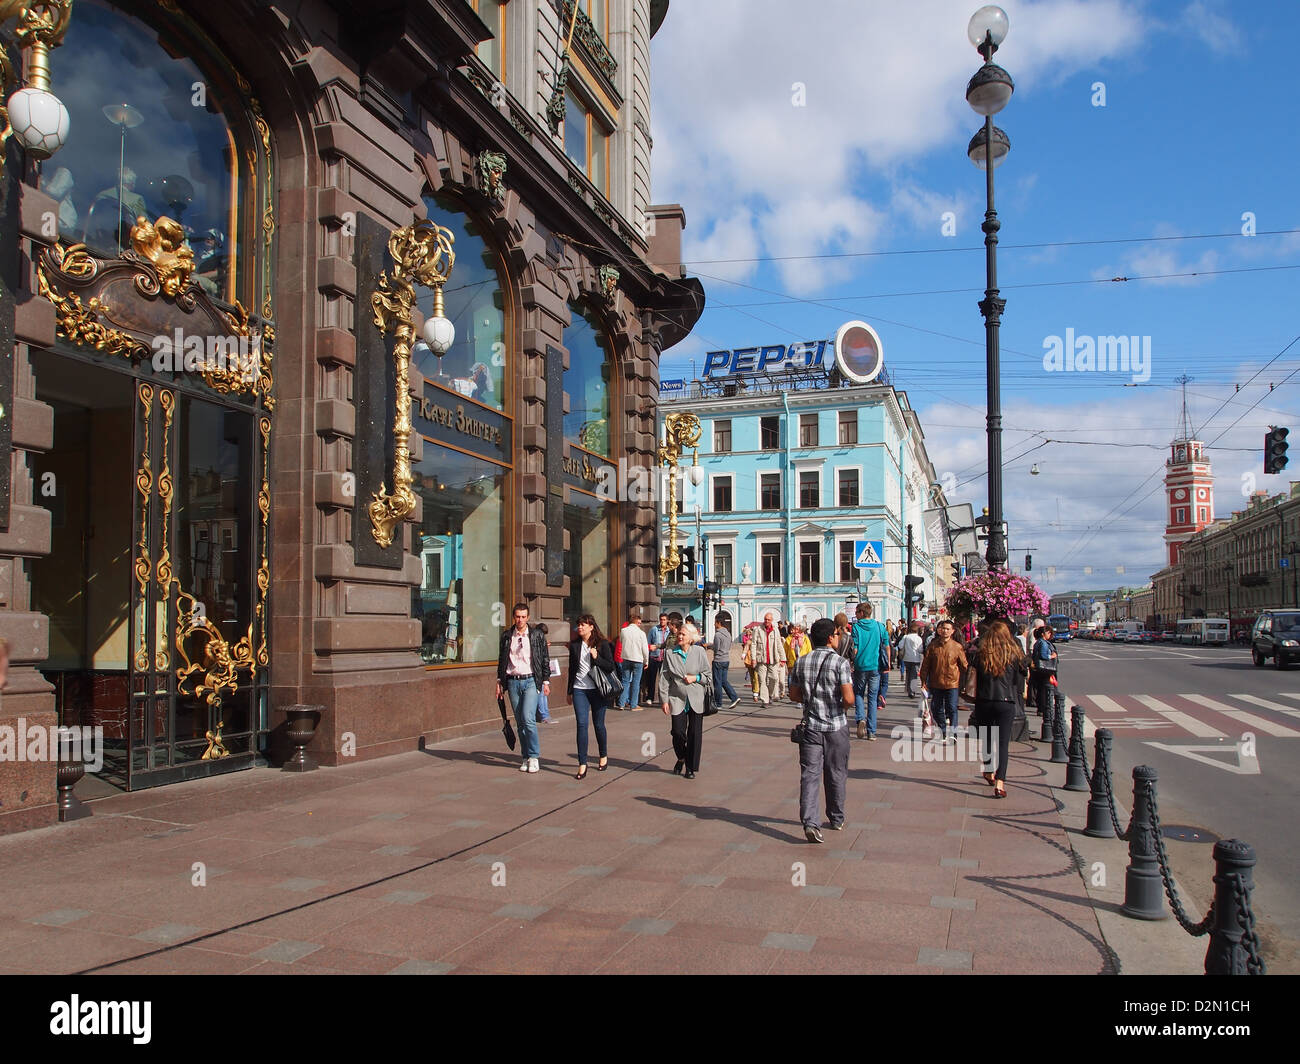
[683,671]
[999,668]
[590,650]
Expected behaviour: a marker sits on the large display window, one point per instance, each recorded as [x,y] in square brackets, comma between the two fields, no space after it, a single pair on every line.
[588,382]
[149,139]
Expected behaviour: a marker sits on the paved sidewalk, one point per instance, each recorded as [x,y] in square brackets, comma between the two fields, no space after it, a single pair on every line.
[451,860]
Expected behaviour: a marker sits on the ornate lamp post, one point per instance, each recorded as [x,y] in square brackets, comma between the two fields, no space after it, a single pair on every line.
[34,114]
[422,254]
[987,93]
[681,432]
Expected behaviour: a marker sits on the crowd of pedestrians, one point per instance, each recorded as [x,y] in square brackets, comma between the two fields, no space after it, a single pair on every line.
[834,666]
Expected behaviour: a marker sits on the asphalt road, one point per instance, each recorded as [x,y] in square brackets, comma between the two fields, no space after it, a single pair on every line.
[1189,712]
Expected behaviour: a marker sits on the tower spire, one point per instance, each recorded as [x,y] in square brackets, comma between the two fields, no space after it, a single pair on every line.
[1184,423]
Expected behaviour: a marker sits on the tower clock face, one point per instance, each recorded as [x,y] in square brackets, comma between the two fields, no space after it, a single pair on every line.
[1180,494]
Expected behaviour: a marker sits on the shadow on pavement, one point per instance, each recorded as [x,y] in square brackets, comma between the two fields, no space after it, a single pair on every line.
[730,816]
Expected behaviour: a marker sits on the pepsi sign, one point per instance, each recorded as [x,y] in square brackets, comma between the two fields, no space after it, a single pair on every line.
[765,359]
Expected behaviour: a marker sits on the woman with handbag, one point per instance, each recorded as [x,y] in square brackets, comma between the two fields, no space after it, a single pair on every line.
[998,666]
[593,684]
[684,672]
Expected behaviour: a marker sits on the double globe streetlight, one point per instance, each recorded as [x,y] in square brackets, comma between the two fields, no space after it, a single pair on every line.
[987,93]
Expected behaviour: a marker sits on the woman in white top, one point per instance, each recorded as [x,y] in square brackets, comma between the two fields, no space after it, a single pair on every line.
[590,650]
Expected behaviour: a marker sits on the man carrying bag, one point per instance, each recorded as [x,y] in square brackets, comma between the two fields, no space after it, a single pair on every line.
[823,681]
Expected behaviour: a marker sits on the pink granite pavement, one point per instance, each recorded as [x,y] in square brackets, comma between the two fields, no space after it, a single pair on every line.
[451,860]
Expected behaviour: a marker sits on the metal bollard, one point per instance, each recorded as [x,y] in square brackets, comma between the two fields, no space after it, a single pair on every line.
[1228,953]
[1057,713]
[1099,825]
[1144,889]
[1076,776]
[1048,728]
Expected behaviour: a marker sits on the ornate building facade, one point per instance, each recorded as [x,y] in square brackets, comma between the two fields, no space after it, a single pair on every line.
[237,481]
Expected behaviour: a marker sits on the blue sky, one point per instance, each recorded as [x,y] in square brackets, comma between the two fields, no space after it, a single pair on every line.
[1199,127]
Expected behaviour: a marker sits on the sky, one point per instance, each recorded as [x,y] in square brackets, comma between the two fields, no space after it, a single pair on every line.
[817,147]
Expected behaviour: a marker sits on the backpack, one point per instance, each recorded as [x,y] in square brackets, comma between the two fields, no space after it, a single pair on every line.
[618,649]
[867,636]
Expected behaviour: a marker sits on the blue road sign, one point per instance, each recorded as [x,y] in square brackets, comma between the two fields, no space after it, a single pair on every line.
[1285,563]
[699,576]
[867,553]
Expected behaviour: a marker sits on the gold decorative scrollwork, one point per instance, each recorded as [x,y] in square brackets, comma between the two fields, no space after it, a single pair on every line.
[167,402]
[143,566]
[264,570]
[164,245]
[80,324]
[216,748]
[216,671]
[422,254]
[681,432]
[41,26]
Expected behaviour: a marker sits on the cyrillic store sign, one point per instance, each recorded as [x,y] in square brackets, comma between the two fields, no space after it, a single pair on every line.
[447,417]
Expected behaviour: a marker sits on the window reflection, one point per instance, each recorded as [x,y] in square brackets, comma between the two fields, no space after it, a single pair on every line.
[587,381]
[586,560]
[475,366]
[462,556]
[150,140]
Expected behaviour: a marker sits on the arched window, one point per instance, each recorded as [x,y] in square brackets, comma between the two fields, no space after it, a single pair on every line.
[588,383]
[474,301]
[149,137]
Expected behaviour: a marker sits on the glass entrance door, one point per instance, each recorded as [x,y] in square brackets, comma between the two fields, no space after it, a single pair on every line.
[156,582]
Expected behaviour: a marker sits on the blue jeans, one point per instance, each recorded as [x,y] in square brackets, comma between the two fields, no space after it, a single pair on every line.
[584,702]
[721,683]
[943,707]
[523,695]
[631,672]
[866,693]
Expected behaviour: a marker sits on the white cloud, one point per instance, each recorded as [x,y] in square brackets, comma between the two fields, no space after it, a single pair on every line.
[1214,30]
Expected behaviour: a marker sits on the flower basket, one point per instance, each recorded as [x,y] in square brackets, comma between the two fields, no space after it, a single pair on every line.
[994,593]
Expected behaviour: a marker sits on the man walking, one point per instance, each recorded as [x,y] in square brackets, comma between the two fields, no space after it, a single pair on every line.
[523,674]
[769,654]
[721,647]
[636,651]
[658,636]
[911,648]
[868,636]
[823,681]
[942,671]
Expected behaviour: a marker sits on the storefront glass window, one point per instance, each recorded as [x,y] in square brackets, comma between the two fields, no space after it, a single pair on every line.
[586,559]
[587,382]
[473,301]
[149,138]
[461,544]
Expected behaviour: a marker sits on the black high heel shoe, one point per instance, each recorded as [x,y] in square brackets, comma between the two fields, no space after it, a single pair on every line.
[582,773]
[602,764]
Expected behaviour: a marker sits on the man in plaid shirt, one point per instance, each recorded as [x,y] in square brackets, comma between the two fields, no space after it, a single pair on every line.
[823,682]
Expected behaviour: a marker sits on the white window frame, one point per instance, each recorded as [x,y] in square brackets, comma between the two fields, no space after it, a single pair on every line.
[713,477]
[839,542]
[799,543]
[758,489]
[857,424]
[759,543]
[723,541]
[817,428]
[821,493]
[847,469]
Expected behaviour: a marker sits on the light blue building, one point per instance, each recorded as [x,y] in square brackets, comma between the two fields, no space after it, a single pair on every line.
[799,462]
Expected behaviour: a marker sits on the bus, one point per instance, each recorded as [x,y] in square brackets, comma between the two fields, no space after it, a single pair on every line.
[1202,631]
[1062,627]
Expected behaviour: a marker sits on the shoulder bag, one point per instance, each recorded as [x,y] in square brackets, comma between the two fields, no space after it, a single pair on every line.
[605,684]
[799,732]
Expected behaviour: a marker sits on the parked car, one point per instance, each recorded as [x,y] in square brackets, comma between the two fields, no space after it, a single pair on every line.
[1276,635]
[1133,637]
[1168,637]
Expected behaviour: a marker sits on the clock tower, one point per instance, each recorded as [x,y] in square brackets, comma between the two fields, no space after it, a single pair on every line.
[1189,488]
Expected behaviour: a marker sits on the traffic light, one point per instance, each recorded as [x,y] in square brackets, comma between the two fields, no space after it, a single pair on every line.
[1275,450]
[956,571]
[1029,562]
[687,574]
[914,597]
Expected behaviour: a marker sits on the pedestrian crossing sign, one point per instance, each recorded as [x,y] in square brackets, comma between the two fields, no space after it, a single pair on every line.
[867,553]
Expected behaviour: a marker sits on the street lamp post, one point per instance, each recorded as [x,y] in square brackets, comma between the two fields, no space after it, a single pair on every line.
[987,93]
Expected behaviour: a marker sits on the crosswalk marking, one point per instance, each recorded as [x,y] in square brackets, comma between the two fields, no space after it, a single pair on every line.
[1290,694]
[1106,704]
[1183,720]
[1288,710]
[1259,724]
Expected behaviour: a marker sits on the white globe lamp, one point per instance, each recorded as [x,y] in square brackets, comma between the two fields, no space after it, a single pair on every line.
[39,120]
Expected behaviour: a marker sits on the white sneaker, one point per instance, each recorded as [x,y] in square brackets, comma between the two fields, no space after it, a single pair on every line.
[533,766]
[523,766]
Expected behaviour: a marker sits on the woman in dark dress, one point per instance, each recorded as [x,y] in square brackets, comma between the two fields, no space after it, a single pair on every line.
[589,650]
[1000,667]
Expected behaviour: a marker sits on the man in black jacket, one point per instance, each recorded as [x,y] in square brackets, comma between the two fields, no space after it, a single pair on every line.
[523,671]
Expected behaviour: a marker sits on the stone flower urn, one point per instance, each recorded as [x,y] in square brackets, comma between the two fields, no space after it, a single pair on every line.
[300,726]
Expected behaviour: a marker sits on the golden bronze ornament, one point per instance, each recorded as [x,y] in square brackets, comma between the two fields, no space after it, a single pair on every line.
[216,670]
[164,245]
[681,432]
[422,254]
[143,566]
[167,402]
[41,26]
